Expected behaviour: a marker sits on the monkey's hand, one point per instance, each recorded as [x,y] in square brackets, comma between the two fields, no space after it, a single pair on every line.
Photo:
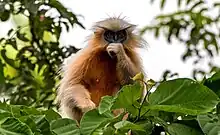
[115,49]
[85,105]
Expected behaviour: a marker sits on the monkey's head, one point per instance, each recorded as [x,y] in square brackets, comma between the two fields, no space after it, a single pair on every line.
[116,30]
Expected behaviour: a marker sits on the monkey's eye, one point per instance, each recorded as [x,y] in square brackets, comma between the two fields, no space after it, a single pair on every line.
[122,36]
[109,36]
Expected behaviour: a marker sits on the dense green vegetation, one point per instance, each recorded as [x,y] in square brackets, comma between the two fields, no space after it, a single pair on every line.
[31,53]
[30,57]
[177,107]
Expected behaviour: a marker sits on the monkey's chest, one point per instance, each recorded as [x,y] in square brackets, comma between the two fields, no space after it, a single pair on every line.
[101,78]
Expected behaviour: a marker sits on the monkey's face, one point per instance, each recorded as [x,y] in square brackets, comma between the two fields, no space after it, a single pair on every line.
[115,36]
[115,30]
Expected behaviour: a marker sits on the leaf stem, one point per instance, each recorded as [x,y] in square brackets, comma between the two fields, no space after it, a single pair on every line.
[145,97]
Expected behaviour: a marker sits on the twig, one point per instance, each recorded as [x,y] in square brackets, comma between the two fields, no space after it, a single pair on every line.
[142,103]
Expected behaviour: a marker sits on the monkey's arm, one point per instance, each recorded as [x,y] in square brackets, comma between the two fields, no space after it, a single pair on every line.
[75,98]
[126,68]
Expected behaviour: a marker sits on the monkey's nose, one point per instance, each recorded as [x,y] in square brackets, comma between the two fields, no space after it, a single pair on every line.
[115,37]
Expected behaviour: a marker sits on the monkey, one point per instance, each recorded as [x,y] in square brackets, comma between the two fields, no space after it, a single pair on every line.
[108,62]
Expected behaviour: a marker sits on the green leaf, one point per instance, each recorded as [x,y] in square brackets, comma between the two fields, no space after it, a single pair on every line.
[180,129]
[13,126]
[179,3]
[65,13]
[31,124]
[184,96]
[162,3]
[216,4]
[157,31]
[91,121]
[51,115]
[4,116]
[147,126]
[65,127]
[105,104]
[22,37]
[196,4]
[29,110]
[12,42]
[42,124]
[213,83]
[109,131]
[2,77]
[14,110]
[209,123]
[7,60]
[4,16]
[128,98]
[10,31]
[188,1]
[126,125]
[190,121]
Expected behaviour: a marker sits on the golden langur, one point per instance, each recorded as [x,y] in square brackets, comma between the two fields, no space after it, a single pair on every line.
[109,61]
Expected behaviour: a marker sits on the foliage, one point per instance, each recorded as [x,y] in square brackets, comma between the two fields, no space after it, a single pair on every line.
[31,54]
[194,25]
[177,107]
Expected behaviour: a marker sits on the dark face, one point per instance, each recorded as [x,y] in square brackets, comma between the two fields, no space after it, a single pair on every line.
[115,36]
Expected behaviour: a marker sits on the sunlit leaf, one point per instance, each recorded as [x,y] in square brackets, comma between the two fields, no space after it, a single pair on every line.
[105,104]
[184,96]
[129,94]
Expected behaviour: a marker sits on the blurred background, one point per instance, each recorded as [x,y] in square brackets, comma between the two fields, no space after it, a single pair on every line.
[37,36]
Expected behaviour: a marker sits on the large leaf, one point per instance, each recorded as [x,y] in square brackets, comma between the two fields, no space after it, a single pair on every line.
[13,126]
[91,121]
[180,129]
[184,96]
[65,127]
[128,98]
[105,104]
[209,123]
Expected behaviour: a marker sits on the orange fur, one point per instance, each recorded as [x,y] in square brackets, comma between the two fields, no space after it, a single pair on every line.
[96,70]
